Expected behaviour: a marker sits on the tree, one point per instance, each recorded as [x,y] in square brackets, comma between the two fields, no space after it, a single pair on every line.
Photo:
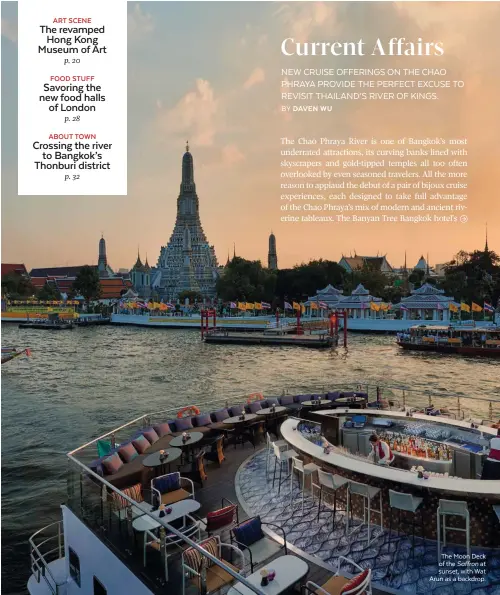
[305,280]
[48,292]
[17,286]
[246,280]
[87,284]
[370,276]
[473,277]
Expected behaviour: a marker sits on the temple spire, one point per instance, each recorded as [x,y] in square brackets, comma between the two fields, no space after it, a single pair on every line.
[486,243]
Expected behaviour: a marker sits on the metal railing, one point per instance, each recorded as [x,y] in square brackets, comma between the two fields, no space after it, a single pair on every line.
[183,539]
[45,551]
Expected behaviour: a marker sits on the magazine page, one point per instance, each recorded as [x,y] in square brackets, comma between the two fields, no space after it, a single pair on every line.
[250,297]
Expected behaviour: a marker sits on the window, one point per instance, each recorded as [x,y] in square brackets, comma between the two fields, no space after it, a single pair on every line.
[99,587]
[74,567]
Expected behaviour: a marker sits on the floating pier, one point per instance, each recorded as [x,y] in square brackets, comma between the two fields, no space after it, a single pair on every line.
[232,338]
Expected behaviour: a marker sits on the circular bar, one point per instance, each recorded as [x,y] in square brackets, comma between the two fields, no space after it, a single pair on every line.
[338,442]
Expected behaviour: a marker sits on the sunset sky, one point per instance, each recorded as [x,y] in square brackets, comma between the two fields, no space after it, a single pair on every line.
[210,72]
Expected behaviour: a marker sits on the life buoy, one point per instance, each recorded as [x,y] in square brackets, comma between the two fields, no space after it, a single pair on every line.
[254,397]
[188,411]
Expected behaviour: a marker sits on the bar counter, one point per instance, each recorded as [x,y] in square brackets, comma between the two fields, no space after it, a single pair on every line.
[480,495]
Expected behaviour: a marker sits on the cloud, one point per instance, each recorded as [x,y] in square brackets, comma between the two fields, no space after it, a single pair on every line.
[9,30]
[257,76]
[140,23]
[194,116]
[231,155]
[302,19]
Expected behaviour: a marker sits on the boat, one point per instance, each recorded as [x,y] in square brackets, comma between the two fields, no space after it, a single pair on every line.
[52,323]
[115,538]
[9,353]
[461,340]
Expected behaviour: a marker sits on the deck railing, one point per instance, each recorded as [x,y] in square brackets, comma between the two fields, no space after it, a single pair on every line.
[83,501]
[47,545]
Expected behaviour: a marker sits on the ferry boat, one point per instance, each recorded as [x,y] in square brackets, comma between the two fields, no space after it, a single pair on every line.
[484,341]
[188,515]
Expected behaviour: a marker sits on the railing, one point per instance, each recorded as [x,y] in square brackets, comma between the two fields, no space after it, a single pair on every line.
[149,419]
[417,397]
[79,504]
[44,550]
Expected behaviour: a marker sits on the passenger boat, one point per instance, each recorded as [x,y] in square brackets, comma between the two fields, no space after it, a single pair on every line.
[189,515]
[9,353]
[484,341]
[52,323]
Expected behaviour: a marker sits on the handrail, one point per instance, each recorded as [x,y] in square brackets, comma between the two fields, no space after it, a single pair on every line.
[349,383]
[39,561]
[170,528]
[145,416]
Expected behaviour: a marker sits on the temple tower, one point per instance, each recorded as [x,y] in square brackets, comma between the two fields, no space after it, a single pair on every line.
[187,262]
[102,262]
[272,257]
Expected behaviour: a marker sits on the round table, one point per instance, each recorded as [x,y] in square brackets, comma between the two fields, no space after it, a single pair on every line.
[194,438]
[322,403]
[237,420]
[153,460]
[269,411]
[352,402]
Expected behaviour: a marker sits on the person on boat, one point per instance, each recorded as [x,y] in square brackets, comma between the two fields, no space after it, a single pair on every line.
[491,467]
[381,453]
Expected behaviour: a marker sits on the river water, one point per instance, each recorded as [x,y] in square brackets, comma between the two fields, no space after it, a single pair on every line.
[77,385]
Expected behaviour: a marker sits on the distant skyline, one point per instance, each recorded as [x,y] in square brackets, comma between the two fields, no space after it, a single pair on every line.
[209,73]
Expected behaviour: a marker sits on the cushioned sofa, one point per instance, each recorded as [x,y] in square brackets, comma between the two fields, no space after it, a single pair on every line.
[123,466]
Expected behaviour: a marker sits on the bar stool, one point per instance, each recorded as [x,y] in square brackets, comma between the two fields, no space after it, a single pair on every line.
[282,457]
[452,508]
[368,493]
[332,483]
[407,503]
[309,469]
[269,447]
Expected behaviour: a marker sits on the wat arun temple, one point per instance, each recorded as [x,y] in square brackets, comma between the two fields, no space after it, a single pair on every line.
[187,262]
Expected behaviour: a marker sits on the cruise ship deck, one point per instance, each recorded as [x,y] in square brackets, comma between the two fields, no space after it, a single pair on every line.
[303,531]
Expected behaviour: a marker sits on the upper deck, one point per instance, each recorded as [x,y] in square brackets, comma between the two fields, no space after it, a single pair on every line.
[93,494]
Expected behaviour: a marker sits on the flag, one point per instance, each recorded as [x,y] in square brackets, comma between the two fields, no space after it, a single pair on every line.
[323,305]
[232,305]
[374,306]
[265,305]
[288,306]
[364,305]
[476,307]
[258,306]
[383,306]
[314,306]
[464,307]
[488,308]
[163,307]
[241,306]
[250,306]
[440,306]
[453,308]
[296,306]
[404,308]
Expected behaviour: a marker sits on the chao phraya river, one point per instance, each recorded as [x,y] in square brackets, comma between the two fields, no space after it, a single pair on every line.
[80,384]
